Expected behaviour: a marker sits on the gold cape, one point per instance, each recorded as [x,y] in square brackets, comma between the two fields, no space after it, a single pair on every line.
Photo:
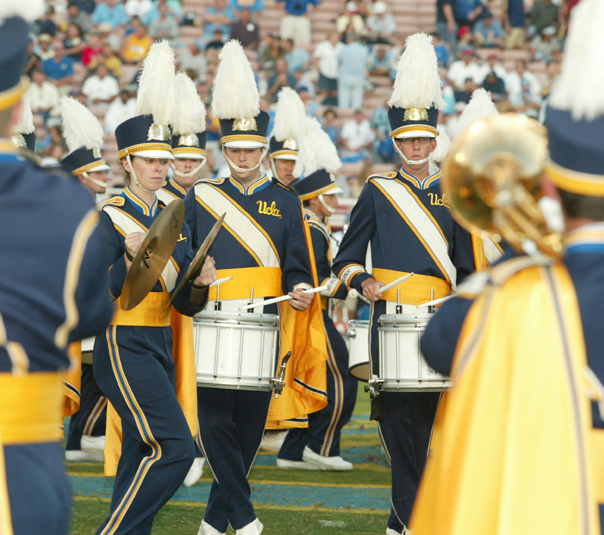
[516,449]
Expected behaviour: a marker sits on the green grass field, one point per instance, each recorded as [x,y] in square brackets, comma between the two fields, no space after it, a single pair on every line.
[309,502]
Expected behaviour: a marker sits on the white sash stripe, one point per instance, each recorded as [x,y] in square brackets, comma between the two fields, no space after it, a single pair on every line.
[128,225]
[423,224]
[490,250]
[165,196]
[240,223]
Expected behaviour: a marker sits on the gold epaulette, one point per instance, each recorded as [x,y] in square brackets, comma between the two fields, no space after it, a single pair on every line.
[113,201]
[277,182]
[390,175]
[209,181]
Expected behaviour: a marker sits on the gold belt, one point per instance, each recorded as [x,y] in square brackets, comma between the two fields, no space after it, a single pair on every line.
[415,290]
[152,311]
[265,281]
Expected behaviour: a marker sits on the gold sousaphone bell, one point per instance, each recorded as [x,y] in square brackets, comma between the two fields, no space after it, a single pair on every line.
[492,177]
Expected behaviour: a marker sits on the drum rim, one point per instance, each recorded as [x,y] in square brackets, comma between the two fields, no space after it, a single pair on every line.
[237,318]
[359,323]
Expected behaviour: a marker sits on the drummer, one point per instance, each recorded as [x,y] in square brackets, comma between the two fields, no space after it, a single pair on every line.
[84,137]
[133,362]
[318,447]
[407,221]
[265,249]
[188,140]
[283,144]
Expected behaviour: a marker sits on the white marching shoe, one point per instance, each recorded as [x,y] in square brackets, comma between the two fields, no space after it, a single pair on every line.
[195,472]
[325,463]
[93,444]
[296,465]
[390,531]
[79,455]
[272,441]
[253,528]
[206,529]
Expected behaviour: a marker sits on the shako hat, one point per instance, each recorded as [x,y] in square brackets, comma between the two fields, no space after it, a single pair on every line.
[23,133]
[189,122]
[289,113]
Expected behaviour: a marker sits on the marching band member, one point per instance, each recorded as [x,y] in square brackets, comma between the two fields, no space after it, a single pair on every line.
[407,221]
[133,363]
[283,144]
[318,447]
[522,448]
[52,291]
[266,249]
[84,136]
[188,140]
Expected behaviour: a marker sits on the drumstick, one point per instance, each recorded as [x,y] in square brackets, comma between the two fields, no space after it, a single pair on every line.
[282,298]
[437,301]
[395,283]
[220,281]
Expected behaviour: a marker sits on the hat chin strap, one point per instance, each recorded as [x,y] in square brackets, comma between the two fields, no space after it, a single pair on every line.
[96,181]
[407,160]
[274,168]
[134,176]
[191,173]
[241,170]
[325,205]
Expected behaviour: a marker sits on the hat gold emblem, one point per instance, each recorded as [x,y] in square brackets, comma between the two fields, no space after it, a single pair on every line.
[159,132]
[290,144]
[188,140]
[96,152]
[416,114]
[18,141]
[247,124]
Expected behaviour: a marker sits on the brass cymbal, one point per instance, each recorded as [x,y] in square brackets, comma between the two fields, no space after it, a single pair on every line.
[199,258]
[153,255]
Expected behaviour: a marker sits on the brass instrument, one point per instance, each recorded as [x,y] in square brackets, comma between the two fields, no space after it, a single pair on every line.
[492,178]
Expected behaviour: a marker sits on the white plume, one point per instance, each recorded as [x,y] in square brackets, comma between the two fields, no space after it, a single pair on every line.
[316,150]
[26,121]
[29,10]
[443,144]
[156,92]
[417,83]
[235,94]
[80,127]
[289,113]
[579,86]
[480,107]
[190,112]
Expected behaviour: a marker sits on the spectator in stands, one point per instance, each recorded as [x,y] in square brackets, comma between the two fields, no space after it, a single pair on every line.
[296,24]
[329,125]
[136,46]
[121,109]
[44,95]
[281,78]
[513,23]
[357,138]
[85,6]
[304,81]
[350,21]
[527,101]
[220,16]
[108,58]
[488,32]
[192,61]
[33,61]
[495,85]
[47,22]
[466,93]
[271,53]
[465,39]
[138,8]
[109,37]
[544,13]
[494,64]
[44,50]
[101,88]
[295,56]
[545,44]
[59,69]
[383,148]
[379,63]
[442,52]
[245,30]
[313,108]
[452,123]
[448,93]
[94,47]
[467,12]
[75,16]
[74,43]
[252,5]
[464,68]
[515,82]
[381,26]
[547,79]
[325,58]
[352,73]
[110,12]
[446,25]
[214,45]
[165,26]
[174,8]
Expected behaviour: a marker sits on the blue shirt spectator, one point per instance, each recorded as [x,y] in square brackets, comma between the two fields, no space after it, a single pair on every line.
[464,9]
[218,17]
[442,52]
[109,12]
[174,9]
[516,13]
[86,6]
[379,62]
[488,32]
[353,60]
[58,67]
[297,58]
[253,5]
[298,7]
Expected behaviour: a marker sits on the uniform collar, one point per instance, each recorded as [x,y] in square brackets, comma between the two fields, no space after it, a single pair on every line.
[177,186]
[587,239]
[139,204]
[255,187]
[8,152]
[432,179]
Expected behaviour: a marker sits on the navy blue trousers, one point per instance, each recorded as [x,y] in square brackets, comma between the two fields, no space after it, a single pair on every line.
[231,425]
[91,418]
[38,489]
[405,434]
[325,427]
[135,370]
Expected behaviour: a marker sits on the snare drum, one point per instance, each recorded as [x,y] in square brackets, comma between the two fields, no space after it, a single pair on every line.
[358,353]
[235,350]
[402,365]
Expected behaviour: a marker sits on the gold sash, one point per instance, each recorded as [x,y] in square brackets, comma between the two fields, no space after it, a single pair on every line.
[415,290]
